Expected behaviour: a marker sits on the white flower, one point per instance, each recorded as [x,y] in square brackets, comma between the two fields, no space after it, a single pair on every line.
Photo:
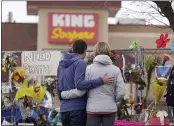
[49,81]
[161,115]
[3,62]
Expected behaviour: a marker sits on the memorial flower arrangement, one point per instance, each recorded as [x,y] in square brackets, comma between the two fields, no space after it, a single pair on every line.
[166,58]
[18,75]
[150,62]
[113,56]
[135,77]
[51,85]
[30,97]
[158,87]
[9,61]
[123,113]
[138,108]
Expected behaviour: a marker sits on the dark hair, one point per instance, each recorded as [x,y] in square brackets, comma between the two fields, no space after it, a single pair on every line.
[79,46]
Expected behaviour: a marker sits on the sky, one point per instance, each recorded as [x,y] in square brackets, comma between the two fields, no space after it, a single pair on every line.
[129,10]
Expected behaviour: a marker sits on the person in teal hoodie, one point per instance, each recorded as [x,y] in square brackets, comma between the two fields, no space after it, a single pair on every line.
[71,75]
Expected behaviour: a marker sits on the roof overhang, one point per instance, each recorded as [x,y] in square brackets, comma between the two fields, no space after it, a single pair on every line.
[112,6]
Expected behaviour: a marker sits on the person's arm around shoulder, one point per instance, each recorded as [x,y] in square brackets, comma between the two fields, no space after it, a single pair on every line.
[57,84]
[88,84]
[120,85]
[82,84]
[73,93]
[80,81]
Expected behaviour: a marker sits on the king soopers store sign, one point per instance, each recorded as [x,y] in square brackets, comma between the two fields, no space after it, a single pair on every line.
[67,27]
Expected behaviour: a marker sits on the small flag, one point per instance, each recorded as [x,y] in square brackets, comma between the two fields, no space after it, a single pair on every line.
[132,45]
[172,49]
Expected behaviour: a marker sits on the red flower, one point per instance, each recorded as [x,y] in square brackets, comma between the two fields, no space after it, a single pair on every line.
[113,54]
[166,58]
[161,42]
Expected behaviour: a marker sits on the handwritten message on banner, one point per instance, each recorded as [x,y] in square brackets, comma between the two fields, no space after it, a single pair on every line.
[41,62]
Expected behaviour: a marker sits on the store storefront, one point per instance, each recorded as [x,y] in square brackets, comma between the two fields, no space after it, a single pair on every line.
[62,22]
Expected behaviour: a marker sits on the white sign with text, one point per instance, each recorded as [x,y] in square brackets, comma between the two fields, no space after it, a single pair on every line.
[41,62]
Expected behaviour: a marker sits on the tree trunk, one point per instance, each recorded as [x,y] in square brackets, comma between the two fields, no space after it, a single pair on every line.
[167,10]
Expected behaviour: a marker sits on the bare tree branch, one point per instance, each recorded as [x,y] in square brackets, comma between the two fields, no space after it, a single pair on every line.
[158,20]
[167,10]
[161,10]
[150,12]
[150,23]
[157,9]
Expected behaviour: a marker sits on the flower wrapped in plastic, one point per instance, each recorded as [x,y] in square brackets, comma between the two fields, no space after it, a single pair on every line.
[113,55]
[91,56]
[9,61]
[53,117]
[51,85]
[158,86]
[18,75]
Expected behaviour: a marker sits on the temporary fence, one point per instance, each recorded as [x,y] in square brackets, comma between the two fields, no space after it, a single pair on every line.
[130,56]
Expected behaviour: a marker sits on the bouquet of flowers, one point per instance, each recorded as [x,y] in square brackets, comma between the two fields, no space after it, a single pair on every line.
[18,75]
[113,56]
[159,86]
[9,61]
[51,85]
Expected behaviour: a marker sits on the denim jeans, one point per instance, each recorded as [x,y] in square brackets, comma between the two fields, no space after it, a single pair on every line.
[74,118]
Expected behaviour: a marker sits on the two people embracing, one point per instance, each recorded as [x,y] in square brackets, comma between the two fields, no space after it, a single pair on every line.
[89,94]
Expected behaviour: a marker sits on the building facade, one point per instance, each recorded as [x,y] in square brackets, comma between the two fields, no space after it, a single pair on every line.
[68,17]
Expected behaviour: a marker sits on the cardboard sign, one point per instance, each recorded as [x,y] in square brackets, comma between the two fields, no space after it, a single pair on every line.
[66,27]
[41,62]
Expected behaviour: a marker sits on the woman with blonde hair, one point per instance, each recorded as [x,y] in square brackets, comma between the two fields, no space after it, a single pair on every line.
[101,101]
